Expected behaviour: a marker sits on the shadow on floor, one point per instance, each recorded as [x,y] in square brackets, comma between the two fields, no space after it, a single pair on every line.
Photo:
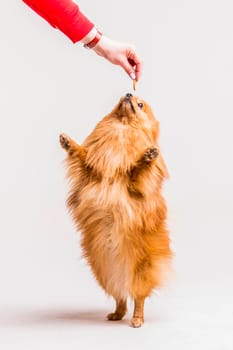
[29,317]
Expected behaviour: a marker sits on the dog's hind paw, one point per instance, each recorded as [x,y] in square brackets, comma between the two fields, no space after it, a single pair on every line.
[137,322]
[115,316]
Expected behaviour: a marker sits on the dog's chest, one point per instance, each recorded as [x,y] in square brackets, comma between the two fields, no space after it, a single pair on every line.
[115,197]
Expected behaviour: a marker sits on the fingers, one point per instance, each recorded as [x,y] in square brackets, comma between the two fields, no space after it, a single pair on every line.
[121,54]
[135,63]
[138,70]
[125,64]
[132,65]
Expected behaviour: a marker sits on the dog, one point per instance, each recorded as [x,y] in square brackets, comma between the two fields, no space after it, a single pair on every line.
[116,203]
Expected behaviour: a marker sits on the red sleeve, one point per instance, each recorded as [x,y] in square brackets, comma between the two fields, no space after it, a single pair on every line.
[64,15]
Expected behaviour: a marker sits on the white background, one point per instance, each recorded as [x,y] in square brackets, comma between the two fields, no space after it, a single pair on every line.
[48,297]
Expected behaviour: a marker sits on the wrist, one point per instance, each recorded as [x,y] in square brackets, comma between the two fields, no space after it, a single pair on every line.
[90,36]
[102,47]
[90,44]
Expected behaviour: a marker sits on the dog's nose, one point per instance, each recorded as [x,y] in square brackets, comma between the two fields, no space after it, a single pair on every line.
[128,96]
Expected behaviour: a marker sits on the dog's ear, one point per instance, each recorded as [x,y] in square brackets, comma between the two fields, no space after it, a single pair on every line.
[161,166]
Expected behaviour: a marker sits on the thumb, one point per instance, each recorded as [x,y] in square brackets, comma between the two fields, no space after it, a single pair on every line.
[128,68]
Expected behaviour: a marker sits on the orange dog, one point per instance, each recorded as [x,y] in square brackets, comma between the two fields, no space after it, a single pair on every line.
[116,202]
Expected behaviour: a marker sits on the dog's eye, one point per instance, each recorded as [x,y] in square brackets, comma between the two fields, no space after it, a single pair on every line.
[140,105]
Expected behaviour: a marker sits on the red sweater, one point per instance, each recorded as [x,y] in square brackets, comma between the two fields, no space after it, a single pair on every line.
[64,15]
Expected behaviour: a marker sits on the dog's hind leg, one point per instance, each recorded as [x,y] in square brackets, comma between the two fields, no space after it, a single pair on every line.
[138,314]
[119,313]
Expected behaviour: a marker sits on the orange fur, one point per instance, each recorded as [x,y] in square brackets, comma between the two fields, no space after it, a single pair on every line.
[115,200]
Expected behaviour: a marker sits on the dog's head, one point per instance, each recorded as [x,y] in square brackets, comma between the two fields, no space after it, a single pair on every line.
[136,113]
[121,138]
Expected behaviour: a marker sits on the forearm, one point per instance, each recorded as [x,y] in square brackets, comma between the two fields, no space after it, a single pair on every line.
[64,15]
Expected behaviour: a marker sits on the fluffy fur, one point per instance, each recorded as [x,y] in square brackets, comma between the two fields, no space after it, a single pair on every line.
[115,200]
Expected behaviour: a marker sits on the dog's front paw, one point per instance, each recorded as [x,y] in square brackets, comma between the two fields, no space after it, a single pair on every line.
[65,141]
[150,154]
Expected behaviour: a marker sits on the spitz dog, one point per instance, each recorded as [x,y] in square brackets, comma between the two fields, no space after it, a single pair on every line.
[115,200]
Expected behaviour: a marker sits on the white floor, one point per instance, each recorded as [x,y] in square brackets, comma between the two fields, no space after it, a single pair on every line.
[172,322]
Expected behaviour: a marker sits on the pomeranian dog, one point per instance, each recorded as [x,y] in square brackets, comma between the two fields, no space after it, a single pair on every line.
[115,200]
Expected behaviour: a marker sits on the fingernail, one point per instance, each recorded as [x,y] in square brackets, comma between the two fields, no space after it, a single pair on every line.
[132,76]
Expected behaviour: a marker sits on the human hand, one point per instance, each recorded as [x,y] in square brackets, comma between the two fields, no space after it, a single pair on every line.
[120,54]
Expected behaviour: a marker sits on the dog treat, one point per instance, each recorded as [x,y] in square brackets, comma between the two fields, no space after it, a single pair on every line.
[134,84]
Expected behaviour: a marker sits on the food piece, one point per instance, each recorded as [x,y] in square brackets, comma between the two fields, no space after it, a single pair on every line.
[134,84]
